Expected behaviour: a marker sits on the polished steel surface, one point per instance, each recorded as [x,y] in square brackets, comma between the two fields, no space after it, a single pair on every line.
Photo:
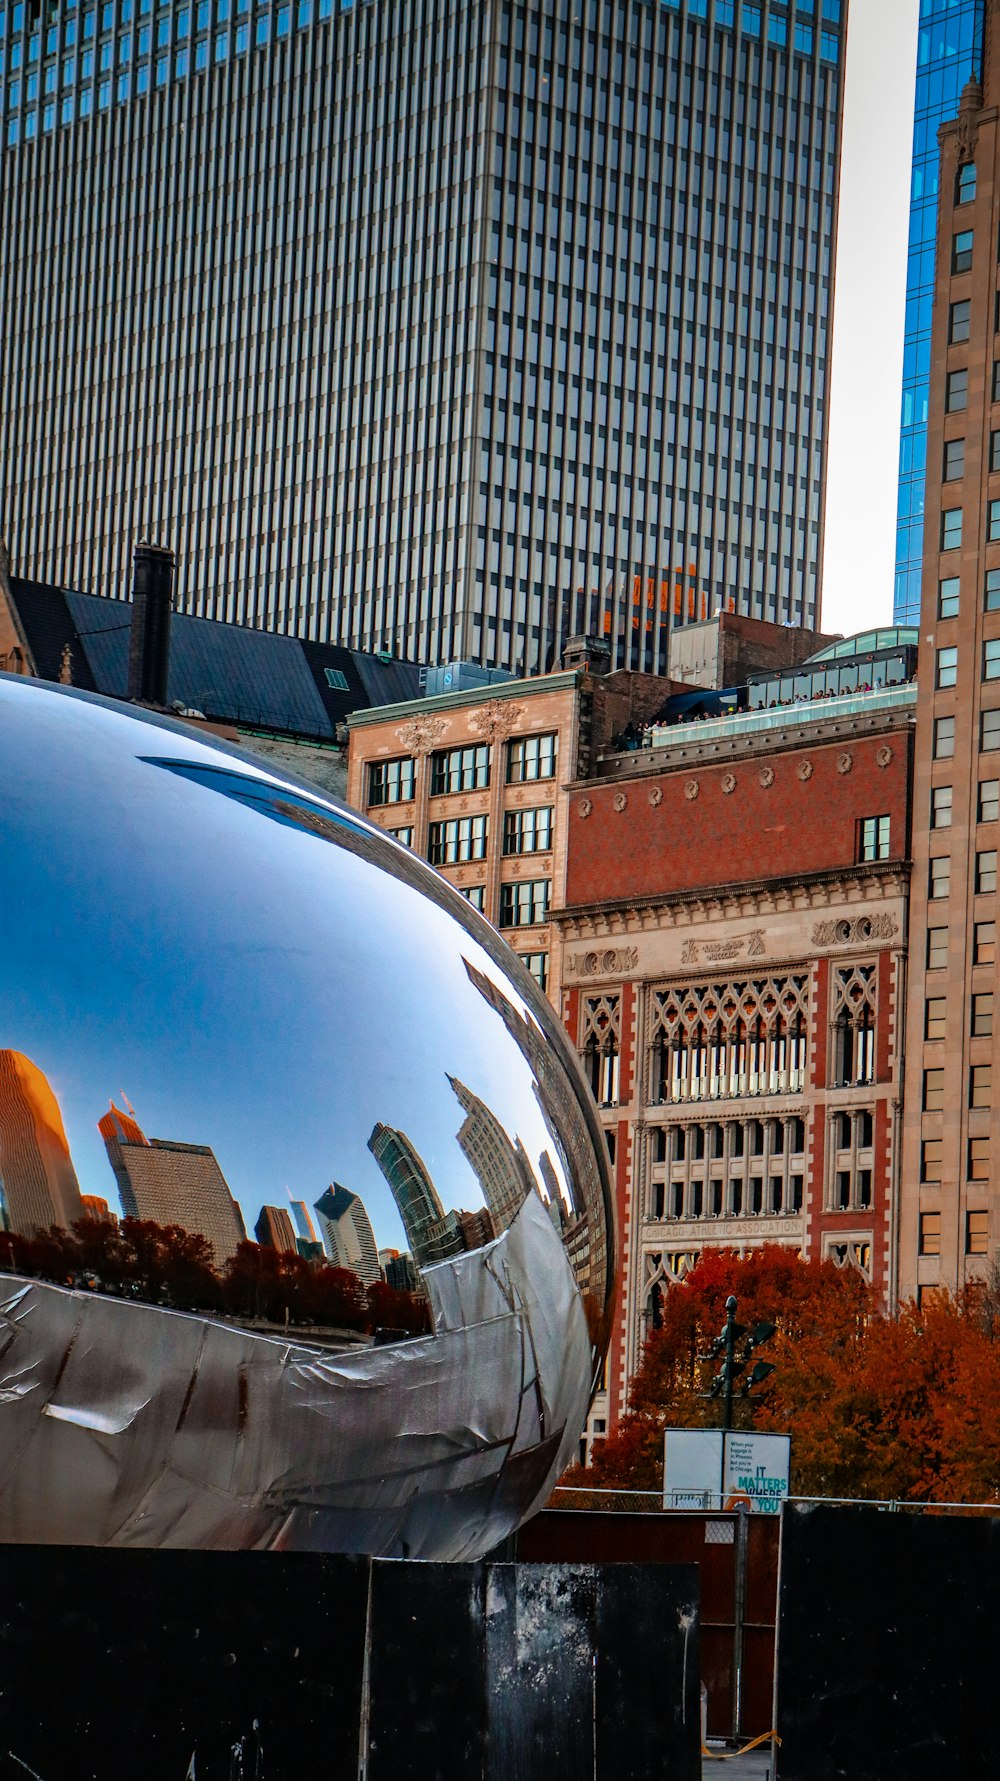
[252,989]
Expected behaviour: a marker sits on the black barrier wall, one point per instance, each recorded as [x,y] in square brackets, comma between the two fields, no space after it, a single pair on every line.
[887,1646]
[200,1666]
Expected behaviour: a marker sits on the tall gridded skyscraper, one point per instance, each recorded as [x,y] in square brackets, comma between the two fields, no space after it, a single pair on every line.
[949,52]
[450,327]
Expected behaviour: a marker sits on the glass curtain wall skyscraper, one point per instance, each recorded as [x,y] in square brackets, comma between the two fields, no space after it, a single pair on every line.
[949,52]
[452,327]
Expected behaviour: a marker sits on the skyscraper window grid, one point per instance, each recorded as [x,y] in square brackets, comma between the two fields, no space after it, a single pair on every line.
[632,345]
[949,52]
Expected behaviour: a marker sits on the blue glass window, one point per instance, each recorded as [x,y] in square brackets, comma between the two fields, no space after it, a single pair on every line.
[88,24]
[965,184]
[221,46]
[263,31]
[66,114]
[104,95]
[3,24]
[284,21]
[698,8]
[201,53]
[724,12]
[750,20]
[86,64]
[144,41]
[961,250]
[142,78]
[145,6]
[162,33]
[183,23]
[124,85]
[804,39]
[241,39]
[108,18]
[51,78]
[17,16]
[222,10]
[31,123]
[124,50]
[15,55]
[12,131]
[831,10]
[31,87]
[181,63]
[48,117]
[125,12]
[204,15]
[305,12]
[69,33]
[52,41]
[105,57]
[162,70]
[829,46]
[13,94]
[777,29]
[34,44]
[324,8]
[69,69]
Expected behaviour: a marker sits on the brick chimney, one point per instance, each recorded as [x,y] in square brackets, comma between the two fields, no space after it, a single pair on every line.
[149,642]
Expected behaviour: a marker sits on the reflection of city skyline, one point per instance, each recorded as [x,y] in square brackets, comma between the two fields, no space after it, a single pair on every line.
[38,1184]
[168,1182]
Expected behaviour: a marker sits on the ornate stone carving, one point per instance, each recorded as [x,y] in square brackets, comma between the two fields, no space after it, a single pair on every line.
[805,769]
[766,777]
[585,807]
[859,928]
[728,782]
[496,719]
[611,962]
[884,755]
[620,801]
[656,795]
[715,952]
[691,789]
[422,734]
[845,762]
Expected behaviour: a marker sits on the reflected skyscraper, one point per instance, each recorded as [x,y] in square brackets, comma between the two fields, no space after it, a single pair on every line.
[39,1184]
[170,1183]
[502,1169]
[347,1233]
[274,1230]
[432,1236]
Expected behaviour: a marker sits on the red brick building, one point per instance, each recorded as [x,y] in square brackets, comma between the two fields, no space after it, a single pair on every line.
[731,963]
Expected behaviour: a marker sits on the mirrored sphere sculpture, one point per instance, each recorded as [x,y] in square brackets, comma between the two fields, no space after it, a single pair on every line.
[224,992]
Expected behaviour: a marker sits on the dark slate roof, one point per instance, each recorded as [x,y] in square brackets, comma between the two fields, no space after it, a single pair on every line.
[229,672]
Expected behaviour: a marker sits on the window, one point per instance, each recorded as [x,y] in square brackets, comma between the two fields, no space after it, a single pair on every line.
[961,250]
[996,380]
[405,835]
[933,1091]
[991,591]
[947,667]
[528,831]
[930,1233]
[984,942]
[991,658]
[958,322]
[460,769]
[391,782]
[531,757]
[981,1085]
[537,966]
[993,521]
[524,905]
[335,678]
[939,877]
[989,731]
[474,894]
[930,1159]
[948,597]
[995,446]
[982,1016]
[956,392]
[976,1232]
[965,183]
[989,800]
[951,528]
[941,807]
[944,738]
[954,460]
[979,1159]
[873,840]
[221,46]
[937,948]
[263,30]
[460,838]
[934,1017]
[986,870]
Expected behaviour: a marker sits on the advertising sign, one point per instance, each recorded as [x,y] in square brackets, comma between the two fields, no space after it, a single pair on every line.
[755,1472]
[692,1468]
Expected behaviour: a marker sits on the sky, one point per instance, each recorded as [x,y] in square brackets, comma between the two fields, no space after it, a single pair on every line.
[867,369]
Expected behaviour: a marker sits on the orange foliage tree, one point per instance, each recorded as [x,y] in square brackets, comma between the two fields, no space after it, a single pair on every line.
[904,1407]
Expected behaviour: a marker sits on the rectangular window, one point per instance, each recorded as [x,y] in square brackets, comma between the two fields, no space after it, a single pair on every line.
[981,1025]
[976,1232]
[956,392]
[986,871]
[391,782]
[930,1159]
[933,1091]
[537,966]
[531,757]
[459,839]
[941,807]
[995,450]
[991,591]
[981,1085]
[951,528]
[979,1159]
[989,731]
[474,894]
[460,769]
[984,943]
[948,597]
[934,1017]
[954,460]
[937,948]
[989,800]
[930,1233]
[528,831]
[958,322]
[405,835]
[524,905]
[947,667]
[335,677]
[965,183]
[992,521]
[873,838]
[996,380]
[944,738]
[939,877]
[961,250]
[991,658]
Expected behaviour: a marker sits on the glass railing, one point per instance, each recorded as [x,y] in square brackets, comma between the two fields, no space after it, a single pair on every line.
[783,717]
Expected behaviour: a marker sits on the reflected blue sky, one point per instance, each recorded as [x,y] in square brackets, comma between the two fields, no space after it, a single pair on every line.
[247,982]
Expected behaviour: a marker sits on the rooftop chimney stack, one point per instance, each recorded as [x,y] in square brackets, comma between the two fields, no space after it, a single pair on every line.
[149,642]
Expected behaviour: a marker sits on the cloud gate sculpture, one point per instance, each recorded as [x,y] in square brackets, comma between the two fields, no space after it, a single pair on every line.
[304,1014]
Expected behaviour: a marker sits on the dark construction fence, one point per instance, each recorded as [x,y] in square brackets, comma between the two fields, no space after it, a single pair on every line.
[209,1666]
